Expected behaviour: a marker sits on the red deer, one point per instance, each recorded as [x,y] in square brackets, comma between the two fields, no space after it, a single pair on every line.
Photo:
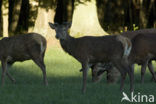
[20,48]
[142,52]
[89,50]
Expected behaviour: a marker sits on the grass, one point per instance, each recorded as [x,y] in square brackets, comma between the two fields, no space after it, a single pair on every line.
[64,84]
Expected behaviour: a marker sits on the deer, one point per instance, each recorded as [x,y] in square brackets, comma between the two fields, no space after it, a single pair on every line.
[28,46]
[89,50]
[144,40]
[131,35]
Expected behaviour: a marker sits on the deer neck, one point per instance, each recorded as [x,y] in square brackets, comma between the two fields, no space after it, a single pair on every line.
[68,44]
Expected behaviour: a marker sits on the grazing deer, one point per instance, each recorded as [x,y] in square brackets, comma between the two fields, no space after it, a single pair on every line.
[131,35]
[90,50]
[20,48]
[142,53]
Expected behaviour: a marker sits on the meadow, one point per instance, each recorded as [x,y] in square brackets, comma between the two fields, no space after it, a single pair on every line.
[65,84]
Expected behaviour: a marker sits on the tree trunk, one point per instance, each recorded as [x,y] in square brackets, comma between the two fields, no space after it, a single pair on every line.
[152,14]
[127,15]
[5,18]
[101,6]
[14,13]
[64,11]
[22,26]
[85,20]
[1,19]
[33,10]
[142,15]
[46,13]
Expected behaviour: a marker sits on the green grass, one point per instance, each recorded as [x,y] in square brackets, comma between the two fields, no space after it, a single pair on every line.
[64,84]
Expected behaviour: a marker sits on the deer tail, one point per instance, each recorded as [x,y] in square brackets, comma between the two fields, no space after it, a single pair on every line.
[127,45]
[42,47]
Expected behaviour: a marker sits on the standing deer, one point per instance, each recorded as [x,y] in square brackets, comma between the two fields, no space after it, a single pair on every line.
[90,50]
[20,48]
[131,35]
[142,53]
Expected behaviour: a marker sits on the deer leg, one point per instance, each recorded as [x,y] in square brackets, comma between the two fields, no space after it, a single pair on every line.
[123,77]
[132,67]
[93,72]
[143,69]
[85,69]
[150,66]
[39,61]
[127,68]
[123,74]
[131,77]
[96,73]
[4,68]
[8,74]
[109,77]
[38,58]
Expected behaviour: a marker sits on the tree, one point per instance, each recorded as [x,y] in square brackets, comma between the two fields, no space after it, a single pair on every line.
[33,11]
[64,11]
[4,18]
[1,19]
[85,20]
[46,13]
[14,13]
[23,22]
[89,17]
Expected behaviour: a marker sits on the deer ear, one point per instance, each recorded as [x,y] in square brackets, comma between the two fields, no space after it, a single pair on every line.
[67,24]
[53,26]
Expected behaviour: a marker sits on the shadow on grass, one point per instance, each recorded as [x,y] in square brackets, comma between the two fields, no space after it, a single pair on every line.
[64,87]
[26,75]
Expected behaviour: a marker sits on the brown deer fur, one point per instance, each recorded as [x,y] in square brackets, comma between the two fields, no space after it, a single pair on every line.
[90,50]
[20,48]
[141,46]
